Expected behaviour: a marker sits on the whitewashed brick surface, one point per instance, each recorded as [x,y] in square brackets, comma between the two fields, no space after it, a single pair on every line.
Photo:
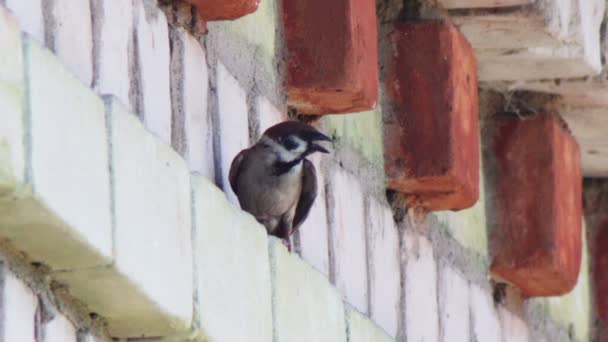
[268,114]
[454,306]
[421,313]
[153,60]
[348,237]
[306,307]
[30,16]
[313,232]
[19,304]
[384,269]
[73,37]
[153,214]
[59,329]
[232,267]
[12,152]
[513,328]
[361,329]
[233,123]
[485,323]
[192,79]
[66,130]
[113,34]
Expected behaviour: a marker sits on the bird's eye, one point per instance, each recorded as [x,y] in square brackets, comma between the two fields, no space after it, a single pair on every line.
[290,143]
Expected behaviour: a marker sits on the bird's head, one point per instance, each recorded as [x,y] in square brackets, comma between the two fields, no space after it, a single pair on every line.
[293,140]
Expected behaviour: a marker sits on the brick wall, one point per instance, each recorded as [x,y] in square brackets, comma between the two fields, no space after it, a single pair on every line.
[119,122]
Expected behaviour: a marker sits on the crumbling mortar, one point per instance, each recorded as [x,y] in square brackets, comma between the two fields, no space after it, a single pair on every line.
[178,138]
[53,297]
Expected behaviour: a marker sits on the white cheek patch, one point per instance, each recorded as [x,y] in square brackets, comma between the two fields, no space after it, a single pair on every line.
[284,154]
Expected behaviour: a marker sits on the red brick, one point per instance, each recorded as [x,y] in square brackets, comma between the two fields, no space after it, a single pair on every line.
[333,55]
[432,138]
[211,10]
[536,241]
[600,276]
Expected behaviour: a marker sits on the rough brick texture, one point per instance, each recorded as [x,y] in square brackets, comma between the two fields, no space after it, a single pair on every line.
[600,277]
[536,240]
[432,139]
[333,55]
[224,9]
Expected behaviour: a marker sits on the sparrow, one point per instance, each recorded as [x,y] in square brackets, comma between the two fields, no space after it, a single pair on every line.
[274,181]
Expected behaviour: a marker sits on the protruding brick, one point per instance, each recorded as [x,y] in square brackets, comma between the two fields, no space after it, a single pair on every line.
[333,55]
[536,239]
[432,140]
[600,276]
[211,10]
[455,4]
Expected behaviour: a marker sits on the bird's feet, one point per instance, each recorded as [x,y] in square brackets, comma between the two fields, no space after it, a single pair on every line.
[287,243]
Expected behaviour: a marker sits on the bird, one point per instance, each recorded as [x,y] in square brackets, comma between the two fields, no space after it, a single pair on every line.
[274,181]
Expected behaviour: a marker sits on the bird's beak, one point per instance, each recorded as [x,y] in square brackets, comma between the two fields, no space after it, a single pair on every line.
[317,148]
[317,136]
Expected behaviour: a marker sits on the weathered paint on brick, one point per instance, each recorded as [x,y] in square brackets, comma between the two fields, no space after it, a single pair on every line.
[432,139]
[333,55]
[536,241]
[224,9]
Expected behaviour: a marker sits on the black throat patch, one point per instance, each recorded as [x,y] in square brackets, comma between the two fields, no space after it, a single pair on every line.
[280,168]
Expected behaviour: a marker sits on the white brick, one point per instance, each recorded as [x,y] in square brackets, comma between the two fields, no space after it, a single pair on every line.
[232,267]
[19,310]
[12,149]
[485,323]
[153,223]
[421,314]
[348,238]
[233,123]
[306,307]
[361,329]
[513,328]
[190,80]
[29,14]
[384,264]
[73,37]
[59,330]
[153,60]
[70,174]
[313,232]
[113,32]
[268,114]
[454,306]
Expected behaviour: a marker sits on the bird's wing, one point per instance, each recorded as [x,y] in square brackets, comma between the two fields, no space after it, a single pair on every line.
[235,169]
[308,194]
